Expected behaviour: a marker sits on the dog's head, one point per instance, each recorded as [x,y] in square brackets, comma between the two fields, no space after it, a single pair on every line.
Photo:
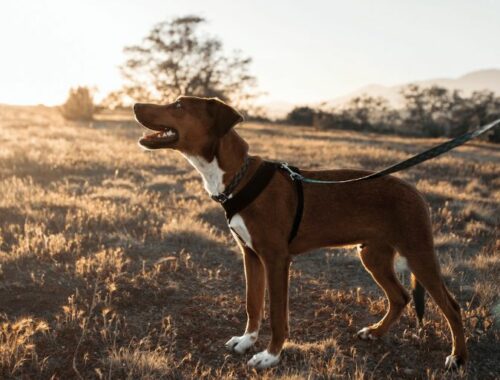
[190,125]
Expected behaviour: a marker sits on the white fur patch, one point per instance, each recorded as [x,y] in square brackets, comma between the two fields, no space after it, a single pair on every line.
[401,264]
[365,334]
[211,173]
[242,343]
[263,360]
[238,224]
[452,362]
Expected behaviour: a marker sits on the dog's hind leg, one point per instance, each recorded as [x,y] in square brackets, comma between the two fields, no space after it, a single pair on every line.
[255,288]
[378,259]
[424,265]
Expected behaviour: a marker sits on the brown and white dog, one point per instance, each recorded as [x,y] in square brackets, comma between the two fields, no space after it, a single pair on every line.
[383,216]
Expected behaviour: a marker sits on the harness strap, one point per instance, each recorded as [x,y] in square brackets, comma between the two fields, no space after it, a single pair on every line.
[300,204]
[251,190]
[255,186]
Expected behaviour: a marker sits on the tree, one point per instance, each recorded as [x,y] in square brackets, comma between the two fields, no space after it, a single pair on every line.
[481,108]
[436,111]
[369,113]
[176,59]
[429,110]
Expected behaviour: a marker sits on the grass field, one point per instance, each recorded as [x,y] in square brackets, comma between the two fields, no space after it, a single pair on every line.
[114,262]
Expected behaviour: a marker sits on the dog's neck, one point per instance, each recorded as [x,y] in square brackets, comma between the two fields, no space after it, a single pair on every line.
[228,158]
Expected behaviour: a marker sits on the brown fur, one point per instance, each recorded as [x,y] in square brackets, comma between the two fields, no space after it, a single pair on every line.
[385,215]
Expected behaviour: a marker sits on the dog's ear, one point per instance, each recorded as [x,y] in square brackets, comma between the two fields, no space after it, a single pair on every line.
[224,116]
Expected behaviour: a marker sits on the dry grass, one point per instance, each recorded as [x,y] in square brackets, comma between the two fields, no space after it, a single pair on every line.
[114,263]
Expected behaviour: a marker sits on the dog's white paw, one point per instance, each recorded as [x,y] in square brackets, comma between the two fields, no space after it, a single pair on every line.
[263,360]
[242,343]
[453,362]
[365,334]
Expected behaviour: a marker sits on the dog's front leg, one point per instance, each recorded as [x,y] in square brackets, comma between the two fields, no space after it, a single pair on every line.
[255,287]
[277,270]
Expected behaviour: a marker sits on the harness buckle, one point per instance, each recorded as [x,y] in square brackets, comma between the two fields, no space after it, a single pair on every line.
[293,175]
[221,198]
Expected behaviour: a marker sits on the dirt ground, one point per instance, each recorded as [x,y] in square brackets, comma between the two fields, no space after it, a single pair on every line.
[114,262]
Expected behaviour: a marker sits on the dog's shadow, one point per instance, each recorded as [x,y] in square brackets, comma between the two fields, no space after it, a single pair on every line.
[215,217]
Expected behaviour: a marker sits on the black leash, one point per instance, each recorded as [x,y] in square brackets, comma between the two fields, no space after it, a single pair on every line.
[412,161]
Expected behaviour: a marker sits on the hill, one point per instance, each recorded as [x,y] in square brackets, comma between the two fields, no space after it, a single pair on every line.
[474,81]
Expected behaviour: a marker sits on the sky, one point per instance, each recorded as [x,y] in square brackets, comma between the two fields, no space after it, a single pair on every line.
[303,51]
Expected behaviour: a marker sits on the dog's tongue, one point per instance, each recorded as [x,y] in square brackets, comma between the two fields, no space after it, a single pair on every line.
[153,135]
[158,139]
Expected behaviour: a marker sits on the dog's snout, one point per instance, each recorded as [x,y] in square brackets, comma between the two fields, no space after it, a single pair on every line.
[137,107]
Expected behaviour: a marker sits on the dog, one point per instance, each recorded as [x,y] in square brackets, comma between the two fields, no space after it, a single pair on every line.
[265,206]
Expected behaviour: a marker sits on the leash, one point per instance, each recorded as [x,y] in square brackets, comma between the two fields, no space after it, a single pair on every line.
[408,163]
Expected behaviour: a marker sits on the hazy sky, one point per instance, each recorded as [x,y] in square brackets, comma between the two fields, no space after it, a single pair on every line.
[303,51]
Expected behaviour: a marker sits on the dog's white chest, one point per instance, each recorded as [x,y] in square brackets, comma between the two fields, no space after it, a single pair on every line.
[237,225]
[211,173]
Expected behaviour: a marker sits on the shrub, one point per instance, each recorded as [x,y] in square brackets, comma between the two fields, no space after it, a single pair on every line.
[301,116]
[79,105]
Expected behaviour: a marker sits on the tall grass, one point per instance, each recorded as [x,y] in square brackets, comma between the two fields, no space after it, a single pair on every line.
[114,263]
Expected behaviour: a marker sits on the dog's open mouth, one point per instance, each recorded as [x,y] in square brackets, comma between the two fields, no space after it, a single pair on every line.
[159,139]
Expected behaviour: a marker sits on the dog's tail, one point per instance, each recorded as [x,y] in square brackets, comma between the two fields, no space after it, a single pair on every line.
[418,293]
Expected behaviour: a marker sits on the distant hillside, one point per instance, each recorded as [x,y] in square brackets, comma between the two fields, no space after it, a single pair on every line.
[473,81]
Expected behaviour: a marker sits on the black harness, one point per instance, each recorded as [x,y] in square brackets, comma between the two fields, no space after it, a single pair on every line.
[254,187]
